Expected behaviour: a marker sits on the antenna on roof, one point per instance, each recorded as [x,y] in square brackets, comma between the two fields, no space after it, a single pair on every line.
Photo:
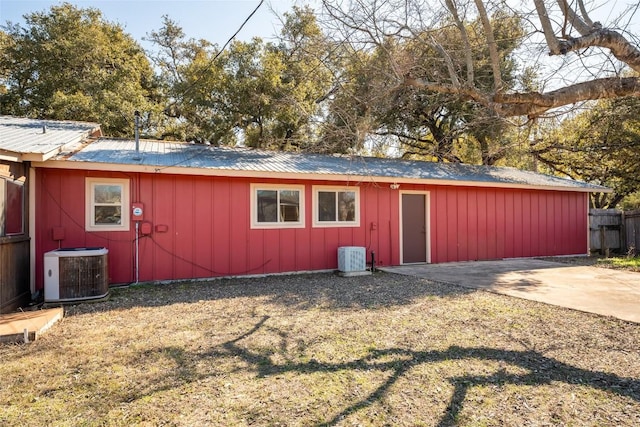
[137,134]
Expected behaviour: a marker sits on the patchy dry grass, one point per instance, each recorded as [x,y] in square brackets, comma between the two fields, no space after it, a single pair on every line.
[624,263]
[615,263]
[320,350]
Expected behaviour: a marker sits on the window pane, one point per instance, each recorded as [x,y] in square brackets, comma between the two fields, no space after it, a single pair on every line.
[267,206]
[15,208]
[346,206]
[289,205]
[105,193]
[326,206]
[108,215]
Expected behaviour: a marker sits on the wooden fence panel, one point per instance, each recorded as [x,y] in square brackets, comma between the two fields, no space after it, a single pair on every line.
[14,273]
[604,230]
[632,231]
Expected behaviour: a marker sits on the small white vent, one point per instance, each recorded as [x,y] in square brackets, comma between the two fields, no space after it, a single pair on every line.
[351,259]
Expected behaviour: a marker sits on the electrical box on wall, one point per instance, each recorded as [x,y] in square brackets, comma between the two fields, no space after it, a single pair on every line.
[137,212]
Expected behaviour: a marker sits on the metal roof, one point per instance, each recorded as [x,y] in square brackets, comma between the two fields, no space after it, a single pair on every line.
[31,139]
[196,159]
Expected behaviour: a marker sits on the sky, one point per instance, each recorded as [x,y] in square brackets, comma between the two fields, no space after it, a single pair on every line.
[212,20]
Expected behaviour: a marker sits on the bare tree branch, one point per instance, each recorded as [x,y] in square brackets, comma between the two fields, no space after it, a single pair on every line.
[465,40]
[491,42]
[552,42]
[608,39]
[534,103]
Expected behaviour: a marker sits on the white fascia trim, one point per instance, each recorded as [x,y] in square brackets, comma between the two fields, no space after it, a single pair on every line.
[351,179]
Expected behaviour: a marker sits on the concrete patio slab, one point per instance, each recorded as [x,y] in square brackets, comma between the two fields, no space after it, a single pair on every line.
[26,326]
[591,289]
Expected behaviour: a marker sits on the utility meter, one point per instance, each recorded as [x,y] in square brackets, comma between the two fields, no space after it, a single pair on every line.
[137,212]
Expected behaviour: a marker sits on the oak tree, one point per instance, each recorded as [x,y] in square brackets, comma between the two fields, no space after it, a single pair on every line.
[69,63]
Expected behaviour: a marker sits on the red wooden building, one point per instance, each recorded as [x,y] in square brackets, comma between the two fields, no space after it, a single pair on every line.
[180,211]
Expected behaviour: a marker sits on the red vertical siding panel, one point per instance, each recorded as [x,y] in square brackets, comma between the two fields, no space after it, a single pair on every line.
[163,193]
[462,225]
[574,223]
[472,224]
[287,250]
[517,224]
[239,227]
[566,228]
[183,205]
[543,225]
[509,233]
[390,226]
[221,215]
[500,224]
[264,251]
[452,224]
[492,225]
[202,220]
[144,195]
[526,223]
[303,250]
[440,223]
[551,224]
[330,254]
[582,222]
[482,224]
[535,224]
[317,249]
[382,235]
[369,197]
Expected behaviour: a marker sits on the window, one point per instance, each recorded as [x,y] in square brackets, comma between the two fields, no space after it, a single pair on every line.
[277,206]
[107,204]
[11,207]
[336,207]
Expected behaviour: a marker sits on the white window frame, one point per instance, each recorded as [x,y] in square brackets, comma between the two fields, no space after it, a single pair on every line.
[279,224]
[90,204]
[336,189]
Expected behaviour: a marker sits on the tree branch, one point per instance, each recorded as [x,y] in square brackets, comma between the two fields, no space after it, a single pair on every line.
[465,41]
[547,28]
[608,39]
[491,42]
[533,103]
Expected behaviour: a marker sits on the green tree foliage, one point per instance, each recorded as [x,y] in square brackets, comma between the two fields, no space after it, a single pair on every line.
[70,64]
[256,93]
[600,145]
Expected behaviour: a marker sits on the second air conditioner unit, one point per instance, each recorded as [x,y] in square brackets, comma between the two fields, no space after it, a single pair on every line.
[352,261]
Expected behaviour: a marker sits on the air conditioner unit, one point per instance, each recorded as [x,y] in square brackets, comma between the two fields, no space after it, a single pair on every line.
[76,274]
[352,261]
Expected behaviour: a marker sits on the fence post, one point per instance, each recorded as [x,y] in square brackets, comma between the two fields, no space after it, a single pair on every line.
[623,232]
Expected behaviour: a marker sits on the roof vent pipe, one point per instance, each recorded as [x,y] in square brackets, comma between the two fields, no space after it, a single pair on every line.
[137,134]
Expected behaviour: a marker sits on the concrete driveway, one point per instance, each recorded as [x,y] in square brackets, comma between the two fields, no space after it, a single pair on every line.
[595,290]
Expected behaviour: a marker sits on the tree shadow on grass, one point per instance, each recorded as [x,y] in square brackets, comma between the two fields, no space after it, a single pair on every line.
[540,370]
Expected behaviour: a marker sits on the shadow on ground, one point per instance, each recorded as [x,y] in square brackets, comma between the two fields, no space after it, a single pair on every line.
[538,370]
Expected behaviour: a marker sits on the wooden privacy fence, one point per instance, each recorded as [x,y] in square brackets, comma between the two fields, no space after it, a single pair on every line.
[613,230]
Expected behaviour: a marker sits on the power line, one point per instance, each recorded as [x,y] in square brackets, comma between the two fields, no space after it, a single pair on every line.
[217,55]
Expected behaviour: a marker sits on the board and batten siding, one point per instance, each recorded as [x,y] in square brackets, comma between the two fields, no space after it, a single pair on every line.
[484,224]
[201,226]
